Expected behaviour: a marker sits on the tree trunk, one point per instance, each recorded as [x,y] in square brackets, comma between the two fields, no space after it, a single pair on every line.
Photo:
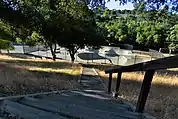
[53,52]
[72,57]
[72,54]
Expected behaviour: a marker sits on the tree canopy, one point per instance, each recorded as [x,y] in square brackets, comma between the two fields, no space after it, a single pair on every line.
[74,24]
[139,27]
[70,23]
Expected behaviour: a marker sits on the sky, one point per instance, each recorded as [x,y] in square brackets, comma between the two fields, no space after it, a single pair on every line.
[115,5]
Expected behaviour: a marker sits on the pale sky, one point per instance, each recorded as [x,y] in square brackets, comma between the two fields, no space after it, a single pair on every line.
[115,5]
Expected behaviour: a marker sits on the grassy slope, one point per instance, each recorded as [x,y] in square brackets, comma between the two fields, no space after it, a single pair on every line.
[163,99]
[21,76]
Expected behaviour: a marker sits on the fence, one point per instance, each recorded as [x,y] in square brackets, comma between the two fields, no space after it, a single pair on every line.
[149,67]
[30,49]
[119,57]
[96,57]
[154,54]
[89,56]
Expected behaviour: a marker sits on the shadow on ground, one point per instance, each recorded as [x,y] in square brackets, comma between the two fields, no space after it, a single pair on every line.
[99,66]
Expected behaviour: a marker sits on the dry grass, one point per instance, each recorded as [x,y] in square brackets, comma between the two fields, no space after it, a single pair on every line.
[163,99]
[21,76]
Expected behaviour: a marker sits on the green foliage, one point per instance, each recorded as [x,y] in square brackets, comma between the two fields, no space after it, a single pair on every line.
[148,34]
[71,24]
[19,40]
[34,39]
[140,7]
[121,33]
[173,37]
[5,45]
[139,26]
[6,31]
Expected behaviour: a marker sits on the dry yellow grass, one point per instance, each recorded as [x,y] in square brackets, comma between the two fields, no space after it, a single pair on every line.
[163,99]
[21,76]
[72,71]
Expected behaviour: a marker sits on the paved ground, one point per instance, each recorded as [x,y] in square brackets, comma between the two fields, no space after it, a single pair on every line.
[90,103]
[87,104]
[90,80]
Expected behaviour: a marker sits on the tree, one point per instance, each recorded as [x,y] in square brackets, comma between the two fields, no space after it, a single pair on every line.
[140,7]
[72,24]
[9,8]
[75,37]
[122,30]
[132,25]
[146,27]
[6,36]
[118,29]
[172,38]
[5,45]
[150,34]
[68,23]
[6,31]
[78,28]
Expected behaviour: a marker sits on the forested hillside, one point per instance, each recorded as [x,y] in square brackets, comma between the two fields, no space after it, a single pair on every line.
[140,27]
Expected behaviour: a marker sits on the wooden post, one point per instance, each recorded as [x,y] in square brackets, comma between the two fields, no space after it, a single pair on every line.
[23,49]
[110,83]
[135,59]
[65,54]
[144,90]
[46,52]
[118,84]
[151,56]
[76,57]
[38,50]
[118,60]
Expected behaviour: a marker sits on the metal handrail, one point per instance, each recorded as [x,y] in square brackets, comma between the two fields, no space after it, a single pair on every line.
[149,67]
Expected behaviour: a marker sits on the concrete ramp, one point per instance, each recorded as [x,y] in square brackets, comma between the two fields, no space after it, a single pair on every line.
[113,51]
[90,56]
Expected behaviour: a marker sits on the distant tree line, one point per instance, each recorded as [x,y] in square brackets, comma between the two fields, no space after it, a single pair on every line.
[139,27]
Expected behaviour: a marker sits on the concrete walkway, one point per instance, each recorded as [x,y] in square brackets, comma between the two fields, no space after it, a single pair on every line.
[91,103]
[90,80]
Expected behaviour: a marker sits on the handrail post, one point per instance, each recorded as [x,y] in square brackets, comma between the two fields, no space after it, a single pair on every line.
[144,90]
[118,84]
[110,83]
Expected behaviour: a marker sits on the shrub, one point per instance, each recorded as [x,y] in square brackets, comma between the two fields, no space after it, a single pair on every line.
[5,45]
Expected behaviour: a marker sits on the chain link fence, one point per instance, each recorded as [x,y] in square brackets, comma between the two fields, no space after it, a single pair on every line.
[85,56]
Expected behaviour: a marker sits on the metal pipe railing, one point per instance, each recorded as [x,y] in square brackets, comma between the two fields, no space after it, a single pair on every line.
[149,67]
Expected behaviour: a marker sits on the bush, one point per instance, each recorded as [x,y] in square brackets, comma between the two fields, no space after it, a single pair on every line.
[5,45]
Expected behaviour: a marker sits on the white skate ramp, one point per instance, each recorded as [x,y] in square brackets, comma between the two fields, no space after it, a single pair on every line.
[113,51]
